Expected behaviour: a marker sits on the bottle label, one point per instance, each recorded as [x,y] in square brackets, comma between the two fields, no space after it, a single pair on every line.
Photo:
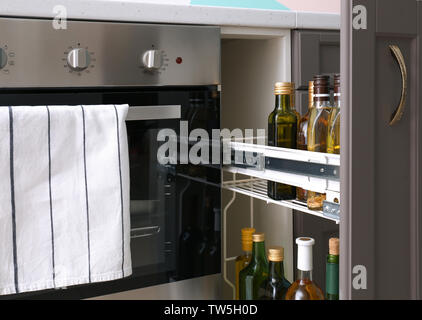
[332,274]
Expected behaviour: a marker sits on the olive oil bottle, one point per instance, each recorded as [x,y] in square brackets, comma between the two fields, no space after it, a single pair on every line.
[276,285]
[333,139]
[302,136]
[318,130]
[282,132]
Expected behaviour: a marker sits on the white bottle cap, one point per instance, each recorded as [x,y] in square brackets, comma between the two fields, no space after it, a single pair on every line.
[304,253]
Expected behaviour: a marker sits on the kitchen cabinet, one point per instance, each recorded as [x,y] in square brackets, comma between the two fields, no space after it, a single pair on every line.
[380,162]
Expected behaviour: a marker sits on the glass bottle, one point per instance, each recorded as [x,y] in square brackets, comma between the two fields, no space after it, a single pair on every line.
[302,137]
[333,139]
[304,288]
[276,285]
[293,103]
[282,132]
[243,260]
[252,277]
[332,270]
[318,130]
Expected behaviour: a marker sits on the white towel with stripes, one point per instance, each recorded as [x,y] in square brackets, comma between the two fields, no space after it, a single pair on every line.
[64,196]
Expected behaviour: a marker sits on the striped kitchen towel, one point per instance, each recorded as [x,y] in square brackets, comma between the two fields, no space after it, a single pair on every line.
[64,196]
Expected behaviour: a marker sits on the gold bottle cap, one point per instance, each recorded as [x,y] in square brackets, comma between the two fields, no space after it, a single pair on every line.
[247,238]
[334,245]
[284,88]
[311,92]
[276,254]
[258,237]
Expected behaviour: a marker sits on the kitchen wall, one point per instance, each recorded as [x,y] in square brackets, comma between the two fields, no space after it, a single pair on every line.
[329,6]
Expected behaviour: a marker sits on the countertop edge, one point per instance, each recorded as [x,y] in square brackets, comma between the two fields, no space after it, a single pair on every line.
[130,11]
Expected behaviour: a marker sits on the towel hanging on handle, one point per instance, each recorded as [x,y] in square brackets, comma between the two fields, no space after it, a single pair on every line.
[64,196]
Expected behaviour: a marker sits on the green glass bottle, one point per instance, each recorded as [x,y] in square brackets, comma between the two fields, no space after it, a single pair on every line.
[282,132]
[276,285]
[252,277]
[332,271]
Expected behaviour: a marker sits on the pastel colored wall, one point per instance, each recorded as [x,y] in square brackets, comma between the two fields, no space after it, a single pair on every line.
[329,6]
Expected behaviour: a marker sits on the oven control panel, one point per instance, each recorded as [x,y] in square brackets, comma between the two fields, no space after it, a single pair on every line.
[79,60]
[7,60]
[99,54]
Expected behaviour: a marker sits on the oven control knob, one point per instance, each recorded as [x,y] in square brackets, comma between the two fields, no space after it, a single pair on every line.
[78,59]
[3,58]
[152,60]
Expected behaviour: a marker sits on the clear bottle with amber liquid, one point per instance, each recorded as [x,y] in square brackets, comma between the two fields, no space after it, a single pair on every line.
[304,288]
[302,137]
[282,132]
[318,130]
[333,139]
[243,260]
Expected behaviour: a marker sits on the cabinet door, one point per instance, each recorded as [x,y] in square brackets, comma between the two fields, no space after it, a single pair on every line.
[380,160]
[313,52]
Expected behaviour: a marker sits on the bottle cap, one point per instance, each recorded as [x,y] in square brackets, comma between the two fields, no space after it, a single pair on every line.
[334,245]
[276,254]
[321,88]
[284,88]
[336,87]
[247,238]
[304,253]
[311,92]
[258,237]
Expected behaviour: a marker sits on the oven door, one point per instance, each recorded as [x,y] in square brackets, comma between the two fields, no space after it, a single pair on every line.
[152,191]
[175,208]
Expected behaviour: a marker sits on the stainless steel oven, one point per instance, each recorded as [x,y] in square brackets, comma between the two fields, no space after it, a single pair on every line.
[167,74]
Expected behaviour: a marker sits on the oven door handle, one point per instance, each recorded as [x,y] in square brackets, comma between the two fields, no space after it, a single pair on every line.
[159,112]
[144,232]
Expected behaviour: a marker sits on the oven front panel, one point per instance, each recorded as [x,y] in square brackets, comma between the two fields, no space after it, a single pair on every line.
[35,54]
[175,208]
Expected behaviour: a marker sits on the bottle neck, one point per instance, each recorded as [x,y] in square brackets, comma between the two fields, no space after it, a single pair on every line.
[283,102]
[331,258]
[258,252]
[322,103]
[276,270]
[337,100]
[304,275]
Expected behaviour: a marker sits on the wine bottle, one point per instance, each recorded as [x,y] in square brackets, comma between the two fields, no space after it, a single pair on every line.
[302,136]
[243,260]
[282,132]
[304,288]
[318,130]
[276,285]
[252,277]
[333,139]
[332,270]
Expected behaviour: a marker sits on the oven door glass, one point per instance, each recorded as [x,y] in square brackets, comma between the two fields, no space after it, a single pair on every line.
[175,208]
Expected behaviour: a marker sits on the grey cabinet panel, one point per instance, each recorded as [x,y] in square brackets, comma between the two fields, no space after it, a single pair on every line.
[380,164]
[395,18]
[314,52]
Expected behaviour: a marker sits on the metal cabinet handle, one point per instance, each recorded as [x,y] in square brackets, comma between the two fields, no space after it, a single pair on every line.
[398,113]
